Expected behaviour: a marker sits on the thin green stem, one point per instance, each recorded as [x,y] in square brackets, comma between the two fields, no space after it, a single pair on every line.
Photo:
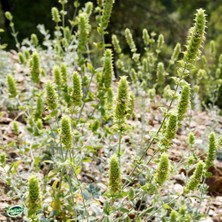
[85,95]
[14,34]
[119,146]
[158,131]
[80,188]
[162,206]
[63,16]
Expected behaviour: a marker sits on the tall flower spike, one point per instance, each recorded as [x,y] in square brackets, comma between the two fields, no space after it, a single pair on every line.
[21,58]
[160,41]
[171,128]
[77,89]
[122,101]
[51,97]
[115,43]
[12,89]
[35,68]
[55,15]
[196,37]
[162,172]
[66,135]
[211,151]
[114,175]
[160,73]
[39,108]
[83,31]
[34,39]
[108,68]
[195,178]
[191,139]
[89,8]
[67,33]
[34,197]
[134,76]
[106,13]
[57,76]
[129,40]
[176,52]
[146,37]
[184,102]
[27,54]
[15,127]
[63,70]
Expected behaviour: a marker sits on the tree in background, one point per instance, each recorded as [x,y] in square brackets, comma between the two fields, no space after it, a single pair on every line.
[169,17]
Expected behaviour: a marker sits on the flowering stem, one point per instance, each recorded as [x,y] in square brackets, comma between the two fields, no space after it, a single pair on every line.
[119,146]
[158,131]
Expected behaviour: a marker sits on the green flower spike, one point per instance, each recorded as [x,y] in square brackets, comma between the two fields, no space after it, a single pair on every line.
[55,15]
[129,40]
[176,52]
[114,175]
[121,102]
[64,74]
[171,128]
[15,127]
[160,73]
[162,170]
[106,13]
[67,33]
[108,68]
[35,68]
[211,155]
[27,54]
[57,76]
[12,89]
[160,41]
[134,76]
[195,178]
[191,139]
[34,39]
[77,89]
[184,102]
[39,108]
[66,135]
[51,97]
[21,58]
[146,37]
[89,8]
[83,31]
[9,16]
[115,43]
[196,37]
[173,216]
[34,197]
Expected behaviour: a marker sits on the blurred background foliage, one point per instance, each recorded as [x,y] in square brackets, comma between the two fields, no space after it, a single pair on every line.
[172,18]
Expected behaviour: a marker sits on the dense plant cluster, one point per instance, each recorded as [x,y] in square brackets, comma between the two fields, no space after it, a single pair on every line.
[77,118]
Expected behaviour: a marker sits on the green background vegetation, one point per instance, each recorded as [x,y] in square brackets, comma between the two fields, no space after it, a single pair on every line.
[171,18]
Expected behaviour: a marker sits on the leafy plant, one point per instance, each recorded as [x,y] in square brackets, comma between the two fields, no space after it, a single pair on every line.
[73,124]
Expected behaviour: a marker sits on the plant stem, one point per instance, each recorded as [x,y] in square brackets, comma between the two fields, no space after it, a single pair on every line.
[158,131]
[119,146]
